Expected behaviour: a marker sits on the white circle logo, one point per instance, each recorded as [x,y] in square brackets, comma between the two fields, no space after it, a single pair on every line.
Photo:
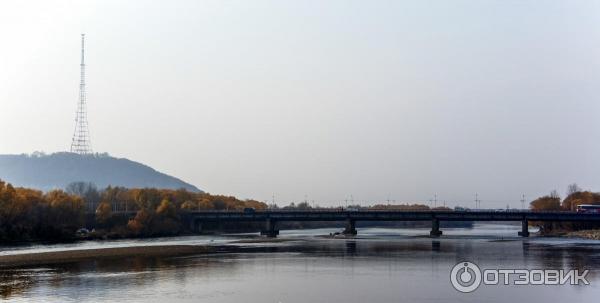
[465,277]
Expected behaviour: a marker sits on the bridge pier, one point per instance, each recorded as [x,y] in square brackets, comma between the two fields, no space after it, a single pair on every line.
[435,228]
[524,228]
[270,230]
[350,228]
[195,226]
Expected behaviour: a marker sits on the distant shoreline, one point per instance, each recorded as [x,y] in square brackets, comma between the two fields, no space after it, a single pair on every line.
[590,234]
[94,253]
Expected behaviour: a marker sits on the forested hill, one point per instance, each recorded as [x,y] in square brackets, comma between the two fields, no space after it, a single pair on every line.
[57,170]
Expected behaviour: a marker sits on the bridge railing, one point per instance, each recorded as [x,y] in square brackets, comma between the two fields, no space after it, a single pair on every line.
[345,210]
[324,210]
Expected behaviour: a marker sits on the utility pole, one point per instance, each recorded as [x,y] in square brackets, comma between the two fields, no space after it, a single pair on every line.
[435,201]
[477,201]
[272,205]
[523,201]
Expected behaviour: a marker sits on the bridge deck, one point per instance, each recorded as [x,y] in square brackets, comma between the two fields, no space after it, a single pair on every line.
[384,215]
[270,217]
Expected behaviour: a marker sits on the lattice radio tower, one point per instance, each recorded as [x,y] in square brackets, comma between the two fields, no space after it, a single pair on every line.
[81,143]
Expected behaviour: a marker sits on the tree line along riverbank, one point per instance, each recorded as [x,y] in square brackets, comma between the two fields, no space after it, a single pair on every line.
[32,215]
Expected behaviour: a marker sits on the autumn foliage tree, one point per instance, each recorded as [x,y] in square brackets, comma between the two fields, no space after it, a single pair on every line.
[103,213]
[159,211]
[575,196]
[27,214]
[580,197]
[66,211]
[547,203]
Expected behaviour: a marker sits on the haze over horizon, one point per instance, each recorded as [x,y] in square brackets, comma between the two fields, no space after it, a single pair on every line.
[380,100]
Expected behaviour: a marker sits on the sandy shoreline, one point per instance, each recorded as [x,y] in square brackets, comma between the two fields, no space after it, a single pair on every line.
[114,252]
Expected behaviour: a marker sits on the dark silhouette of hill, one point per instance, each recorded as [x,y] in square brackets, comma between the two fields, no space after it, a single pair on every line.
[57,170]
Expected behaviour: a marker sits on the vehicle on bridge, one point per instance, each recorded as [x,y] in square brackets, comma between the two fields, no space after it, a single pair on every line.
[588,208]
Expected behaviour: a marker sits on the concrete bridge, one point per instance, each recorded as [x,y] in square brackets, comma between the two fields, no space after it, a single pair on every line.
[271,217]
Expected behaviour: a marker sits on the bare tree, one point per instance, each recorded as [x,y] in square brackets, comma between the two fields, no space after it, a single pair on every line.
[573,188]
[87,191]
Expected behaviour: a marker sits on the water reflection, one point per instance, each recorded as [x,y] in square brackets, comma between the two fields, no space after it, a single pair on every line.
[316,270]
[13,282]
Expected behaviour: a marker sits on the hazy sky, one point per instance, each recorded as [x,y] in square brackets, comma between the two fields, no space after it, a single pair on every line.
[374,99]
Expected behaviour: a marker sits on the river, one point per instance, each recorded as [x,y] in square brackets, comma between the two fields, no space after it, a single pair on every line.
[379,265]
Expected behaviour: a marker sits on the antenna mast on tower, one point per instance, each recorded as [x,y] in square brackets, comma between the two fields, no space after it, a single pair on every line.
[81,136]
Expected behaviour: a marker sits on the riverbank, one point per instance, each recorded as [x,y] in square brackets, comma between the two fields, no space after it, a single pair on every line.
[135,250]
[114,252]
[591,234]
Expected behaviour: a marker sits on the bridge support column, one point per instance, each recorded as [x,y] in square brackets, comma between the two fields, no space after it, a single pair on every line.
[350,227]
[193,226]
[270,230]
[435,228]
[524,228]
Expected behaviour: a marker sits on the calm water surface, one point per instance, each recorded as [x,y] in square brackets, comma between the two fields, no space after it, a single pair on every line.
[380,265]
